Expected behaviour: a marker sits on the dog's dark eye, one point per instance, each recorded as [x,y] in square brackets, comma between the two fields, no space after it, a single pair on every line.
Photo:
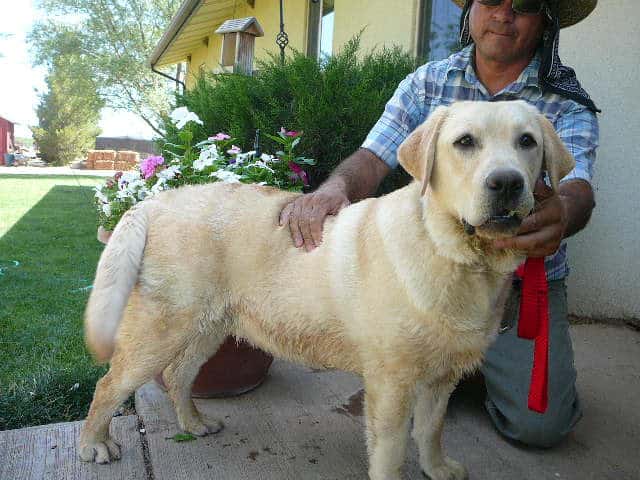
[527,141]
[465,141]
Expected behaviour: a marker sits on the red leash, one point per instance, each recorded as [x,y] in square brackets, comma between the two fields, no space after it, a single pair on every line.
[534,325]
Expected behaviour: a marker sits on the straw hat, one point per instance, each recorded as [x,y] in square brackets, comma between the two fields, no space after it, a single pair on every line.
[570,12]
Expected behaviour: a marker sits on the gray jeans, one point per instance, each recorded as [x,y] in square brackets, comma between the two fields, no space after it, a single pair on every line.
[507,372]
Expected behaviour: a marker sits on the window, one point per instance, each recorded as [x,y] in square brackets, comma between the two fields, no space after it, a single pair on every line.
[320,32]
[439,29]
[326,27]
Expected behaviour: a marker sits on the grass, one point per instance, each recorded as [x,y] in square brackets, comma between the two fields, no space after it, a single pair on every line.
[48,256]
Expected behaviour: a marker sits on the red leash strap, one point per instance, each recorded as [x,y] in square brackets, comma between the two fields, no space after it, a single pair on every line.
[533,324]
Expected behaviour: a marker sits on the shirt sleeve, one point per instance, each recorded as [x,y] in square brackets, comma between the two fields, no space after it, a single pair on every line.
[402,114]
[578,128]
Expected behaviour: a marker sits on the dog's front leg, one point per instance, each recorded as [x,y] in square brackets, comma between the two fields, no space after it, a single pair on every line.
[428,420]
[388,403]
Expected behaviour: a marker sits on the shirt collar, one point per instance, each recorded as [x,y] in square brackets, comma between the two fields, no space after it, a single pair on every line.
[529,77]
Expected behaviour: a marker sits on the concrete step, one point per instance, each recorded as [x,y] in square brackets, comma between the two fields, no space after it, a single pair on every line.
[49,452]
[305,424]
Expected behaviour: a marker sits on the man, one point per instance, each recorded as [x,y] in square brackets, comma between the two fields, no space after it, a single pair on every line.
[510,53]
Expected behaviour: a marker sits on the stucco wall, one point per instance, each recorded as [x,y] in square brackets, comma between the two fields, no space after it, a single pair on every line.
[391,23]
[605,258]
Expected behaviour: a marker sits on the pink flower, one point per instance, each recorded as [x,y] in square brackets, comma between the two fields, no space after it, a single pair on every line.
[234,150]
[219,137]
[299,172]
[291,133]
[117,176]
[148,166]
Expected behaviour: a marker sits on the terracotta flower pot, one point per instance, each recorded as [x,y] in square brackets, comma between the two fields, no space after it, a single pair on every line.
[236,368]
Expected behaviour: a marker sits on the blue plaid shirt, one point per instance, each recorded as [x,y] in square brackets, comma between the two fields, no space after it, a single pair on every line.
[453,79]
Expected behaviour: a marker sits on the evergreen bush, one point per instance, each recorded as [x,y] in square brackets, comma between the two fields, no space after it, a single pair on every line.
[334,101]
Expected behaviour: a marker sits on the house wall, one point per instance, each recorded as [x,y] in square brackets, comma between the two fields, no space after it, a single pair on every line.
[384,23]
[268,15]
[605,258]
[6,137]
[351,16]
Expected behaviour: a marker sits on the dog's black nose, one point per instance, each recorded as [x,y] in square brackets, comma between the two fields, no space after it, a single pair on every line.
[505,186]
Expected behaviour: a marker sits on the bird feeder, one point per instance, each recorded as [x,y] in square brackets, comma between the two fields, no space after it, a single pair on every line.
[238,43]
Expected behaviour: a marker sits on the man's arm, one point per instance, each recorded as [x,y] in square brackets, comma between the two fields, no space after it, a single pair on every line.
[578,199]
[357,177]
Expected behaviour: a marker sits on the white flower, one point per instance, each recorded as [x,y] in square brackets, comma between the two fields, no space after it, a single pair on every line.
[122,194]
[181,116]
[159,186]
[169,172]
[136,185]
[266,158]
[101,196]
[241,157]
[106,209]
[207,156]
[143,193]
[226,176]
[128,178]
[261,164]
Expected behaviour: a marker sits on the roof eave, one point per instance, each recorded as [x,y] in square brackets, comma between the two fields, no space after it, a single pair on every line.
[185,12]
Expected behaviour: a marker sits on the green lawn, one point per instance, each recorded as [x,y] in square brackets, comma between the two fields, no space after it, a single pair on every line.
[48,256]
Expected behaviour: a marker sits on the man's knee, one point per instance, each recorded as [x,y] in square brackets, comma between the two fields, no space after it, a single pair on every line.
[534,429]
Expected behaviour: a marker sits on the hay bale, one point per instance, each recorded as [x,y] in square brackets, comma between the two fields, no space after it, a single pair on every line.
[91,159]
[126,160]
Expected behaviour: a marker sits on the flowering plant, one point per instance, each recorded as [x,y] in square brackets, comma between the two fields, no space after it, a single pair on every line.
[212,160]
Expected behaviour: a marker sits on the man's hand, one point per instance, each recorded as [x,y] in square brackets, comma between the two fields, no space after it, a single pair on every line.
[357,177]
[542,231]
[306,214]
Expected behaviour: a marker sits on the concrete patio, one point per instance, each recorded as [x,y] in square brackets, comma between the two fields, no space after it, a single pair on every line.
[307,424]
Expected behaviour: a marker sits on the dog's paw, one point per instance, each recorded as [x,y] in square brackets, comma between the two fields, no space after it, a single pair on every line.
[450,470]
[100,452]
[200,429]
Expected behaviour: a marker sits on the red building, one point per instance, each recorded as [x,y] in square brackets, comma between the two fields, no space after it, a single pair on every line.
[7,140]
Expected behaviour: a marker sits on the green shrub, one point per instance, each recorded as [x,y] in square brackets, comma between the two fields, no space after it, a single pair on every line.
[335,102]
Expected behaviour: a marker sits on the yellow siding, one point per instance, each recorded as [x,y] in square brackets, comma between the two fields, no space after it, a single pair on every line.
[387,23]
[200,59]
[268,14]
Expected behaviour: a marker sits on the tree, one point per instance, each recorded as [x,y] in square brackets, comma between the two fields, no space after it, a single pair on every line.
[116,37]
[68,112]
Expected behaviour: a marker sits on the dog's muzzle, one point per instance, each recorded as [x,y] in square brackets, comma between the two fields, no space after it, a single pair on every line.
[507,223]
[504,187]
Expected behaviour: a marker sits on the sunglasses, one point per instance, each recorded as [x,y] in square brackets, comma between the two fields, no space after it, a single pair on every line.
[526,7]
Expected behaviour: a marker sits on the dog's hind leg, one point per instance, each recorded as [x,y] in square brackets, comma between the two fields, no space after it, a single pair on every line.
[128,372]
[142,351]
[179,377]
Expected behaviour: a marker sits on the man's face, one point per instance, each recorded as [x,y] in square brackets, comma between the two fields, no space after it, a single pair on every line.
[501,35]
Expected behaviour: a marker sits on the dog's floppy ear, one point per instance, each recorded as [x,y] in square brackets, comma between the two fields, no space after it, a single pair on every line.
[558,162]
[417,153]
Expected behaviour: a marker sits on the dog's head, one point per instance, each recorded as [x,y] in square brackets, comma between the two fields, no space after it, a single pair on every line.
[482,159]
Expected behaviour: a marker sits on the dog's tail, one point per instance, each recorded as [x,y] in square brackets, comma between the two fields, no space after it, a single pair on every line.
[116,276]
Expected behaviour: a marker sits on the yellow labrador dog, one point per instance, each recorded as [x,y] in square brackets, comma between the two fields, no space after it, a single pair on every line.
[405,290]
